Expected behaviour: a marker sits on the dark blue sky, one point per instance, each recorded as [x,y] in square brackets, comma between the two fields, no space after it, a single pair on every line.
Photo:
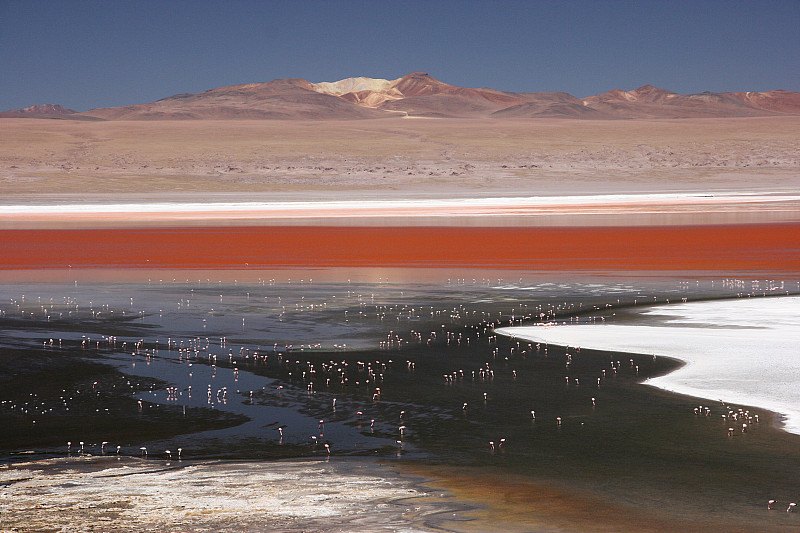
[97,54]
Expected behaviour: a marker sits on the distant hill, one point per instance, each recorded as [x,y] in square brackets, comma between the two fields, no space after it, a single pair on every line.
[38,111]
[652,102]
[420,95]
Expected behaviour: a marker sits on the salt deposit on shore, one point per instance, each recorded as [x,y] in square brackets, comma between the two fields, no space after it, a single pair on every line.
[431,206]
[739,351]
[628,210]
[124,494]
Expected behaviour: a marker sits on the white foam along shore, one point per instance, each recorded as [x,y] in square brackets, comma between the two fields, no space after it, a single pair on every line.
[742,351]
[435,206]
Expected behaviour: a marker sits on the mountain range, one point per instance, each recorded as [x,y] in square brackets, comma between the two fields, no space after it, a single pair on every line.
[420,95]
[39,111]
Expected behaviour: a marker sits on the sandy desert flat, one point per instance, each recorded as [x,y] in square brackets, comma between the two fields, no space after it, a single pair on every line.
[117,160]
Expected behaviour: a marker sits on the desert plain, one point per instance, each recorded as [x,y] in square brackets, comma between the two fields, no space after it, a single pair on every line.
[391,157]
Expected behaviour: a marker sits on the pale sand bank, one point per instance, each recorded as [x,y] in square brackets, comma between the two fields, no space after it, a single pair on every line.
[740,351]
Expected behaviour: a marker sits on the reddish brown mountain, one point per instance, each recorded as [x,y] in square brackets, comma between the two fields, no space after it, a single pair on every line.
[776,101]
[423,95]
[278,99]
[420,95]
[652,102]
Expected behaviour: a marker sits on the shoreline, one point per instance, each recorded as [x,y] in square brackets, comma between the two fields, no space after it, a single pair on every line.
[702,341]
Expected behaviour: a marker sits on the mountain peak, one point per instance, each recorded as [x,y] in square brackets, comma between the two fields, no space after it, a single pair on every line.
[652,91]
[351,85]
[651,88]
[420,84]
[418,75]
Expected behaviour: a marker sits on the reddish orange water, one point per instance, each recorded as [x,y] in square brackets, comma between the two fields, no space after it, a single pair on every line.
[746,247]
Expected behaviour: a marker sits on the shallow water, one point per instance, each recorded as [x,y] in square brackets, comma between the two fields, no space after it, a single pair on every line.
[246,348]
